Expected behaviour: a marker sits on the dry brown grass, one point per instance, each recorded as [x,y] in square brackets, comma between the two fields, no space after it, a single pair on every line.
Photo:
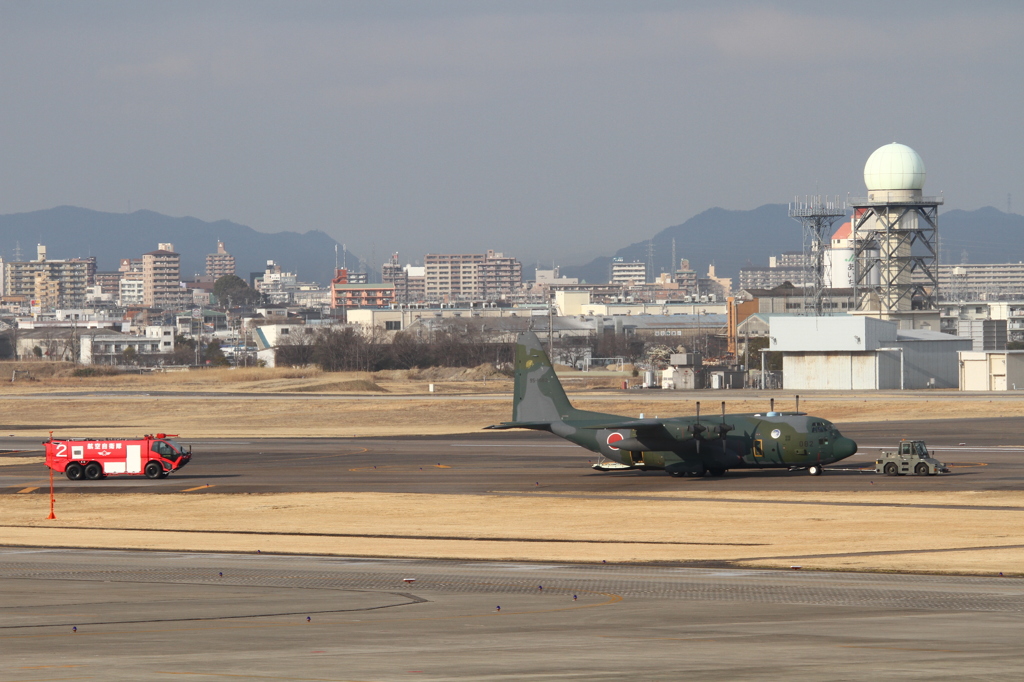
[758,528]
[407,409]
[755,529]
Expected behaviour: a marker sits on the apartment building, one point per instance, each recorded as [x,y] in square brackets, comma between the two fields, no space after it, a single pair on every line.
[409,280]
[346,295]
[53,283]
[220,264]
[979,281]
[467,277]
[628,274]
[161,277]
[791,266]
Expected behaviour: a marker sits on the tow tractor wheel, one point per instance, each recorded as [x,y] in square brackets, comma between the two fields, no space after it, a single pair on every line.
[153,470]
[74,471]
[93,471]
[891,469]
[815,470]
[921,469]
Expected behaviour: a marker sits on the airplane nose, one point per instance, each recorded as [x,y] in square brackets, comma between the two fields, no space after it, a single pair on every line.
[844,447]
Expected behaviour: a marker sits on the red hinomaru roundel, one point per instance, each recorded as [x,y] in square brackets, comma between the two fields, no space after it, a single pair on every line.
[614,438]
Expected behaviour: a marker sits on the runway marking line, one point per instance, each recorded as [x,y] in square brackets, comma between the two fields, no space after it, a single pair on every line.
[900,648]
[28,490]
[673,639]
[612,599]
[55,679]
[400,467]
[261,677]
[199,487]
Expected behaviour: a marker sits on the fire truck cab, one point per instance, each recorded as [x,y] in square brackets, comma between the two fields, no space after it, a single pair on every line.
[152,456]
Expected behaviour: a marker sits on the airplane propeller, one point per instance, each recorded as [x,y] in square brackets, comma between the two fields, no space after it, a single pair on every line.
[723,428]
[697,428]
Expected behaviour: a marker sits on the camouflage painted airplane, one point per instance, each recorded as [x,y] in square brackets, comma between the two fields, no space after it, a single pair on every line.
[682,446]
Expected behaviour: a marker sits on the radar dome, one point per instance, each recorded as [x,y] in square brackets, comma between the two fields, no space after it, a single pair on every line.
[894,167]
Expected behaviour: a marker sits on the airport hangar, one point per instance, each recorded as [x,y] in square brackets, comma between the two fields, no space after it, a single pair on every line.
[857,352]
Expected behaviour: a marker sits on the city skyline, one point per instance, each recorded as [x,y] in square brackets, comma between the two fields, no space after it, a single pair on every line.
[560,130]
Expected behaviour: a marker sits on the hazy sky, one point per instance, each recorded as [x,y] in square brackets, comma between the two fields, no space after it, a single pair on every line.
[555,129]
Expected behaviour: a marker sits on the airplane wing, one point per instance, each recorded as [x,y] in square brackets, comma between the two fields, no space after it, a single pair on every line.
[543,426]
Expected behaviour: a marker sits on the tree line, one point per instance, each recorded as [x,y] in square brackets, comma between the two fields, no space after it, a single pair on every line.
[345,349]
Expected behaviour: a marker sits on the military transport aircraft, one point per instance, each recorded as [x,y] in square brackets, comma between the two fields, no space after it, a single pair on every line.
[682,446]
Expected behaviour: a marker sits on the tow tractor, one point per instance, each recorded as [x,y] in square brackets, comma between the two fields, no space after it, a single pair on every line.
[912,457]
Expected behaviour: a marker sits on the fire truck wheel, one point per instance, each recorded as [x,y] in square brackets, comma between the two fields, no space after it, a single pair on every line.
[921,469]
[154,470]
[74,471]
[93,471]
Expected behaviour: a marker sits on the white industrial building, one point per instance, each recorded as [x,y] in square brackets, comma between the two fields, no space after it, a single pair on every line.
[991,370]
[854,352]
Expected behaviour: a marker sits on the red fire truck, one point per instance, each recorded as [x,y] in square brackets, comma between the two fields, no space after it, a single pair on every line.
[152,456]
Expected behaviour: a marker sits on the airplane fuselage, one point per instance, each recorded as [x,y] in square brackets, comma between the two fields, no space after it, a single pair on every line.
[754,441]
[679,445]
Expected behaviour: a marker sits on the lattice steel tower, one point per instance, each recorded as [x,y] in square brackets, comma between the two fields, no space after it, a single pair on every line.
[895,236]
[817,215]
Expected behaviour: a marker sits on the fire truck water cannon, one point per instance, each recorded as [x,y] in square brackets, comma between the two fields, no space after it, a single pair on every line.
[152,456]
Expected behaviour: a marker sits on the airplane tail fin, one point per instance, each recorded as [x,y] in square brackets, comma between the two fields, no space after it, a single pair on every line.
[538,396]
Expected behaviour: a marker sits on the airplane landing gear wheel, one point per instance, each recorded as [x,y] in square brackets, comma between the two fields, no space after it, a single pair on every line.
[815,470]
[74,471]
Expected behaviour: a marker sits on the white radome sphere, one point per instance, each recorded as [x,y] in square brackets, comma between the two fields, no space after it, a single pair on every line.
[894,167]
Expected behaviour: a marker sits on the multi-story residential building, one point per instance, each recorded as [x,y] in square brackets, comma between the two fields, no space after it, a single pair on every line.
[130,290]
[109,282]
[790,267]
[628,274]
[276,285]
[686,278]
[409,280]
[346,295]
[979,281]
[161,277]
[220,264]
[53,282]
[467,277]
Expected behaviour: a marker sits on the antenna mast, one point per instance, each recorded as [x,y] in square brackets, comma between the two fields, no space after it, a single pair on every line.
[817,214]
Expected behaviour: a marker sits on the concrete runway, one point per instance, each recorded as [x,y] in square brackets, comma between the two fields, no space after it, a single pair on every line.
[153,615]
[991,458]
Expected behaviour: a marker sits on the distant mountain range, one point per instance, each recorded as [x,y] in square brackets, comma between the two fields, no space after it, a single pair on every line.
[733,239]
[69,232]
[729,239]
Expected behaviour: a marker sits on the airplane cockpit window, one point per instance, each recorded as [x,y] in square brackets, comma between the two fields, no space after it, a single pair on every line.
[818,427]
